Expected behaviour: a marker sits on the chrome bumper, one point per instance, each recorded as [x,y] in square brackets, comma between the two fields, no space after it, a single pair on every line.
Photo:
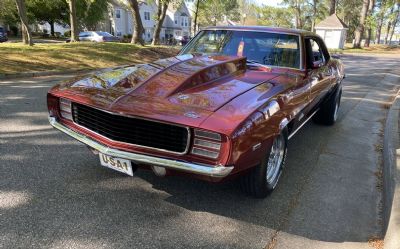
[207,170]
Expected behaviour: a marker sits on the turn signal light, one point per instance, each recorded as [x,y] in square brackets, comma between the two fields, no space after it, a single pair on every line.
[206,144]
[65,109]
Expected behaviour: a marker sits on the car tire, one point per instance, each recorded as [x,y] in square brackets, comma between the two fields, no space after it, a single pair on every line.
[263,179]
[328,112]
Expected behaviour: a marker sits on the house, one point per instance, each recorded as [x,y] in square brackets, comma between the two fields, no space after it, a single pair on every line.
[333,30]
[177,21]
[176,24]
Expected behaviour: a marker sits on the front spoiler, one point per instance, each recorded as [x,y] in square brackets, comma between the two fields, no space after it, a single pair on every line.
[200,169]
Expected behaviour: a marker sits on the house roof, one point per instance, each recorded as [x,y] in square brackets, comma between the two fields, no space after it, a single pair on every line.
[332,22]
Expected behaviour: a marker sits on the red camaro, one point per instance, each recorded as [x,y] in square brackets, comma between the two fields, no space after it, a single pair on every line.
[224,107]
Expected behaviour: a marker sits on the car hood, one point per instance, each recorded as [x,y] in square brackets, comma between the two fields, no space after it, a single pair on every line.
[185,89]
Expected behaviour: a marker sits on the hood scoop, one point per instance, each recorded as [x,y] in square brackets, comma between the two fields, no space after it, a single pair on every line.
[192,73]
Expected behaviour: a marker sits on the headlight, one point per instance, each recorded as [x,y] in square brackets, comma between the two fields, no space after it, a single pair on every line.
[206,144]
[65,109]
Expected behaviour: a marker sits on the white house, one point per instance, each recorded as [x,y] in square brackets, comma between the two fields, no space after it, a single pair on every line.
[176,23]
[333,30]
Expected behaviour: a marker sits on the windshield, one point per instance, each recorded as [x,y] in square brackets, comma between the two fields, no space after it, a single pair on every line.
[270,49]
[100,33]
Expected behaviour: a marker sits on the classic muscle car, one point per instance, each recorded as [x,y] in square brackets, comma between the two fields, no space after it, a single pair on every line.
[225,107]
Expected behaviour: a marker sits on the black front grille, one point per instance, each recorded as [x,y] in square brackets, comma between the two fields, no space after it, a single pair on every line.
[132,130]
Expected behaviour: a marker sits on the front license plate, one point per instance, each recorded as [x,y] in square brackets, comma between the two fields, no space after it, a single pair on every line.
[118,164]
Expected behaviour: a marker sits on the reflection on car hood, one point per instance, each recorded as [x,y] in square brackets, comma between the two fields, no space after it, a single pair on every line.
[186,85]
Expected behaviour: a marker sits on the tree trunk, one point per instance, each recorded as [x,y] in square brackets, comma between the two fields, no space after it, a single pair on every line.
[360,29]
[395,24]
[26,31]
[332,7]
[73,20]
[161,12]
[369,30]
[195,17]
[315,2]
[389,25]
[138,30]
[51,28]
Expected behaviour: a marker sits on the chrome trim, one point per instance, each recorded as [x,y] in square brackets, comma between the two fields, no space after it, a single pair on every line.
[197,133]
[216,171]
[137,145]
[283,123]
[298,128]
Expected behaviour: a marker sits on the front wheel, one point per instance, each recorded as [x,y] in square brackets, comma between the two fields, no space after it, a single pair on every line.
[328,112]
[263,179]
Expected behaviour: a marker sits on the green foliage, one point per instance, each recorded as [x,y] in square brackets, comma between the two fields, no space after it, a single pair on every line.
[47,11]
[8,12]
[91,12]
[211,12]
[275,16]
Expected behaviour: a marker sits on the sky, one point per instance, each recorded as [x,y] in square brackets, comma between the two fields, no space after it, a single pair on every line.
[269,2]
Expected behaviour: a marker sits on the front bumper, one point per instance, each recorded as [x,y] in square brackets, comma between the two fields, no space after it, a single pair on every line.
[200,169]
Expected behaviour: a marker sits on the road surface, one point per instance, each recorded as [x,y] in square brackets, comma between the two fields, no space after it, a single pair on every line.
[54,194]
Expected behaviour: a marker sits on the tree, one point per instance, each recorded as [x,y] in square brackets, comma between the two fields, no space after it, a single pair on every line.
[275,16]
[370,22]
[380,18]
[26,30]
[360,29]
[213,11]
[73,20]
[195,16]
[297,7]
[395,22]
[389,24]
[90,12]
[162,6]
[332,7]
[138,30]
[54,11]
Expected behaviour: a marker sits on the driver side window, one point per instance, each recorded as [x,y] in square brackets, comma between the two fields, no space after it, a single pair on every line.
[315,54]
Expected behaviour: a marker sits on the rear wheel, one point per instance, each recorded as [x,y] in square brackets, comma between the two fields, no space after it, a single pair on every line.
[328,112]
[263,179]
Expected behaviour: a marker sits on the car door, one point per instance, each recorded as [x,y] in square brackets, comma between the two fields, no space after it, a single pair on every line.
[319,74]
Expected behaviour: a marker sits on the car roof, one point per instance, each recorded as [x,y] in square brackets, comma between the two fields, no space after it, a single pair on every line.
[262,29]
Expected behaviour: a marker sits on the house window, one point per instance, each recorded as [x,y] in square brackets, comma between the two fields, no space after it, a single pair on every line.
[147,16]
[186,21]
[176,20]
[118,13]
[182,21]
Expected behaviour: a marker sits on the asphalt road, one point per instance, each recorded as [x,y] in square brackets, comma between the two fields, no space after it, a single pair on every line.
[54,194]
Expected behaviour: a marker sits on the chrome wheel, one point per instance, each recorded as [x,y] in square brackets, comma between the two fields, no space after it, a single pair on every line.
[275,160]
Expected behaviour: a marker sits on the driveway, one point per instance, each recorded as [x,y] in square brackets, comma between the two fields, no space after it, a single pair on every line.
[54,194]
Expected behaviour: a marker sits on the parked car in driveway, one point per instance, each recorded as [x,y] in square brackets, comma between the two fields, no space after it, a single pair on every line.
[225,107]
[98,36]
[3,35]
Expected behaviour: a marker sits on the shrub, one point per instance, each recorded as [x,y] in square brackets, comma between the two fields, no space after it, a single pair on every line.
[67,33]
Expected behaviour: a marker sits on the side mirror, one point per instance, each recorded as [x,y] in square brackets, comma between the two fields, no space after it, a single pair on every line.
[335,56]
[317,64]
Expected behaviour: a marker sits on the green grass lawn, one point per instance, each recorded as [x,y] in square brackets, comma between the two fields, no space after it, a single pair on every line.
[15,57]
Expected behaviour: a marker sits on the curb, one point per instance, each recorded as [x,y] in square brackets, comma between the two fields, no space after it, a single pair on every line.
[391,174]
[50,73]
